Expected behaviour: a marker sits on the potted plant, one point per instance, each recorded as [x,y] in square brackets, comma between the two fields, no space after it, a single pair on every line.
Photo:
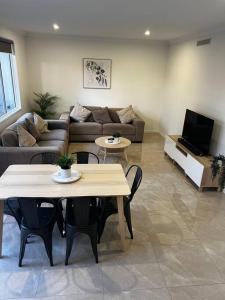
[65,162]
[45,102]
[116,137]
[218,169]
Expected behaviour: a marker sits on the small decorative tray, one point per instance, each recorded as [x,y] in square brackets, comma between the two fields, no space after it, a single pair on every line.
[76,175]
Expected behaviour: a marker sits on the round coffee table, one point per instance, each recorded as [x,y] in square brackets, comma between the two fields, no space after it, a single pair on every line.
[113,148]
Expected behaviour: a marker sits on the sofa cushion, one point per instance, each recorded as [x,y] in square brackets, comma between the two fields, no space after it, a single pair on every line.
[111,128]
[126,115]
[92,108]
[55,134]
[59,144]
[25,116]
[9,138]
[79,113]
[85,128]
[41,124]
[25,138]
[102,116]
[31,128]
[113,115]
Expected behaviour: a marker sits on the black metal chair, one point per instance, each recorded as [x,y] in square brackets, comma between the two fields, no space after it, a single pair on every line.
[13,210]
[81,216]
[36,220]
[83,157]
[51,158]
[44,158]
[109,206]
[39,158]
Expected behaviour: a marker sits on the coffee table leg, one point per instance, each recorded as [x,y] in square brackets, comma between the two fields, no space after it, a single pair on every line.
[121,221]
[105,154]
[1,225]
[125,155]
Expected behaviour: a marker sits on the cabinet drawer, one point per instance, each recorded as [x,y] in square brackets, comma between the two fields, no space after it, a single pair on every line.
[180,158]
[170,147]
[194,170]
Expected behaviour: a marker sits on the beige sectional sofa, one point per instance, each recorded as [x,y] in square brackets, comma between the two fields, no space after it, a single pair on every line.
[56,141]
[89,130]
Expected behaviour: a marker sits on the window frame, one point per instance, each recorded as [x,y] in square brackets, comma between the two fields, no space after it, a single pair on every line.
[16,89]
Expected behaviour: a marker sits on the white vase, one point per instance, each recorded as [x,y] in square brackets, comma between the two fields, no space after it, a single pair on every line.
[64,173]
[116,140]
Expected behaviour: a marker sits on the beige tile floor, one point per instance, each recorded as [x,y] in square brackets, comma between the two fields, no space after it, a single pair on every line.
[178,251]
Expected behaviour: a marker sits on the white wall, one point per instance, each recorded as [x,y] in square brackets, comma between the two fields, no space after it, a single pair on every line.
[138,73]
[196,80]
[21,60]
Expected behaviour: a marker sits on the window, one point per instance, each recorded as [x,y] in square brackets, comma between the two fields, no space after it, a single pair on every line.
[9,92]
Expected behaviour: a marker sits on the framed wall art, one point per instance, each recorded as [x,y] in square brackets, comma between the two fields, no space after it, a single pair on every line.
[97,73]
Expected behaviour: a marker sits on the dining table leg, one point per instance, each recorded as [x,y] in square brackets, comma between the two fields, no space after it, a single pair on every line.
[1,225]
[121,221]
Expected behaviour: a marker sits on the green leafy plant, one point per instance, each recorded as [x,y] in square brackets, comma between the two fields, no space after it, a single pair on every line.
[116,135]
[45,103]
[218,169]
[65,162]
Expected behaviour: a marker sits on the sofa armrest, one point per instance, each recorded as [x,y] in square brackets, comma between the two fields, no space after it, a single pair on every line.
[139,125]
[65,116]
[21,155]
[58,124]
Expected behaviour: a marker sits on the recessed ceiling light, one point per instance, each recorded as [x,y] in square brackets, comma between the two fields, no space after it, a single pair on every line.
[55,26]
[147,32]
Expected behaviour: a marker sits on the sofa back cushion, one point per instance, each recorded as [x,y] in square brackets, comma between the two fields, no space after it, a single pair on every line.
[113,115]
[102,116]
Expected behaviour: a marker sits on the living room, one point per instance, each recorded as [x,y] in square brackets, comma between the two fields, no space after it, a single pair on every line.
[165,59]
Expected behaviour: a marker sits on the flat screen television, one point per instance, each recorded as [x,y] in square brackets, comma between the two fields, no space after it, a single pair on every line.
[197,132]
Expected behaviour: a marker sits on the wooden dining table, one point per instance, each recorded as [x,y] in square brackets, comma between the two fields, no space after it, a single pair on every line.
[99,180]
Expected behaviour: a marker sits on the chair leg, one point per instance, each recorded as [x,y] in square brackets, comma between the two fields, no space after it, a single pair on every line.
[69,245]
[101,227]
[60,219]
[127,214]
[47,238]
[60,222]
[23,240]
[93,238]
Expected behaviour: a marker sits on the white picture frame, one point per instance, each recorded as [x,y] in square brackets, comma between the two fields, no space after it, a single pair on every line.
[97,73]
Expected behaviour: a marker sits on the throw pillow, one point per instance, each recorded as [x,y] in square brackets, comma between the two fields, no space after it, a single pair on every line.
[40,124]
[102,116]
[31,128]
[79,113]
[25,138]
[126,115]
[113,115]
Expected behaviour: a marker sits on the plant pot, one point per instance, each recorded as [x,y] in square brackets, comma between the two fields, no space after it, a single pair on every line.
[65,173]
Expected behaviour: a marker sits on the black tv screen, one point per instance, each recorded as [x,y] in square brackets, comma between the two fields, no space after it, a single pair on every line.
[197,130]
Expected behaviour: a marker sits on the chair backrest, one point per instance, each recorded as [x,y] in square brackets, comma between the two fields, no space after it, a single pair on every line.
[29,210]
[83,157]
[136,181]
[78,211]
[44,158]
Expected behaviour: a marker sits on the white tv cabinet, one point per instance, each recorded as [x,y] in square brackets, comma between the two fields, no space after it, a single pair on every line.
[197,168]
